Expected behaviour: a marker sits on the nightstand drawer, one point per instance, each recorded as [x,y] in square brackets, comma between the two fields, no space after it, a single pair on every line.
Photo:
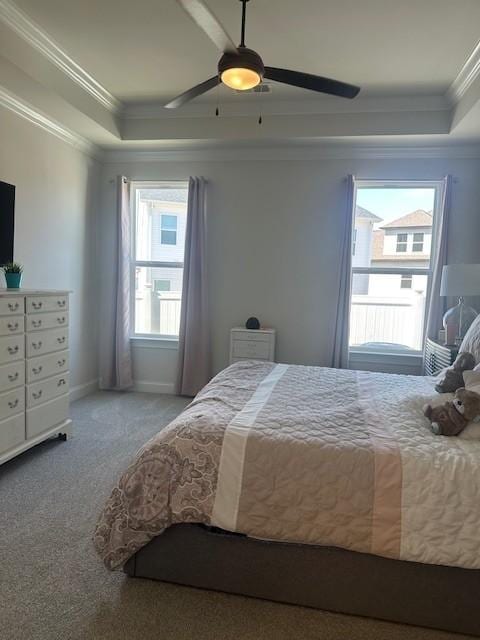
[56,320]
[251,349]
[251,336]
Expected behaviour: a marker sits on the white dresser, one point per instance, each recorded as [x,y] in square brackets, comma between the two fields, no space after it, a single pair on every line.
[252,344]
[34,385]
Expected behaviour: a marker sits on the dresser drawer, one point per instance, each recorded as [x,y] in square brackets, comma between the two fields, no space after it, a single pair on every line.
[12,375]
[42,342]
[40,321]
[42,304]
[11,325]
[12,402]
[11,306]
[12,348]
[256,350]
[45,390]
[46,366]
[12,432]
[46,416]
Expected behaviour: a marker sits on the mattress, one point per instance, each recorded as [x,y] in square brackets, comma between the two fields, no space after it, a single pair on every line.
[307,455]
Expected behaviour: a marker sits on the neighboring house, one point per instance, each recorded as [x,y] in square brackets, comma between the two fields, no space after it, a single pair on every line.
[405,242]
[362,246]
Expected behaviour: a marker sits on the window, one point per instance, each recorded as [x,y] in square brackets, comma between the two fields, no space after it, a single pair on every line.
[159,212]
[161,285]
[354,242]
[417,245]
[390,284]
[402,239]
[169,229]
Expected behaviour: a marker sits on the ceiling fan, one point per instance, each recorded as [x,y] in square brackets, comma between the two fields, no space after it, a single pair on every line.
[241,68]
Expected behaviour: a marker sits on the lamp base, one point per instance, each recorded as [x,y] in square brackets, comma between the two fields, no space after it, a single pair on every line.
[456,322]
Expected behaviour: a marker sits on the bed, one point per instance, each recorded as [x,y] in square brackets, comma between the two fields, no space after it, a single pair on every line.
[307,485]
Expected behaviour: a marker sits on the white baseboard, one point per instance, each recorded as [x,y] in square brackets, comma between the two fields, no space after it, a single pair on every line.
[153,387]
[82,390]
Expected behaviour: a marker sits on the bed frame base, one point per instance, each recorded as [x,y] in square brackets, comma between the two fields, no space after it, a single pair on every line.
[326,578]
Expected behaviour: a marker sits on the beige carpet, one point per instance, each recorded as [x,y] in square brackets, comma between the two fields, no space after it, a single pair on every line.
[53,586]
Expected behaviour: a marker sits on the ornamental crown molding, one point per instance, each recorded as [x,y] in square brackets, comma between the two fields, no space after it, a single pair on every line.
[37,38]
[28,112]
[465,77]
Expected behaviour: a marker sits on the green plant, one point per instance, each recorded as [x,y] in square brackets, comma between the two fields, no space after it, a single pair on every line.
[12,267]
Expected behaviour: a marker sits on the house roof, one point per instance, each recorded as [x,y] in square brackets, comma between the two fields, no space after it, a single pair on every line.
[365,214]
[418,218]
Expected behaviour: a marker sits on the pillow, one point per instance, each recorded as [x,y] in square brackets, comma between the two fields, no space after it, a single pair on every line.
[472,380]
[471,341]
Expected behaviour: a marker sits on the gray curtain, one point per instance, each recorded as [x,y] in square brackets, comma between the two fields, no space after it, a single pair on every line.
[436,304]
[342,315]
[194,340]
[116,362]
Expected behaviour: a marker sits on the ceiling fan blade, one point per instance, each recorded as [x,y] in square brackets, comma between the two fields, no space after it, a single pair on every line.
[314,83]
[209,23]
[192,93]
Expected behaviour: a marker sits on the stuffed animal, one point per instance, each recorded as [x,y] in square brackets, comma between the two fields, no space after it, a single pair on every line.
[452,378]
[451,418]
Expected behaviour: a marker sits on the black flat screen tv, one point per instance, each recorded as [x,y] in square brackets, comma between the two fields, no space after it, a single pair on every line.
[7,221]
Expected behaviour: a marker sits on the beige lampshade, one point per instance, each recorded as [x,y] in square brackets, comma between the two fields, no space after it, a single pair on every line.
[460,280]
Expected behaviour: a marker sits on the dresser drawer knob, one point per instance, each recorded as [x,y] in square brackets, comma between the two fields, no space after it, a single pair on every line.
[61,320]
[61,363]
[61,340]
[61,382]
[37,345]
[37,370]
[13,403]
[38,395]
[36,324]
[37,305]
[12,326]
[13,306]
[13,350]
[61,303]
[13,376]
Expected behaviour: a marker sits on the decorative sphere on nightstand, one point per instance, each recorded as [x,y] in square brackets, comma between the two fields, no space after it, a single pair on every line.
[252,323]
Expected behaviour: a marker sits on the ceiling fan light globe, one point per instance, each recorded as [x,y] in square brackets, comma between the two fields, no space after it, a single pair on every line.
[240,78]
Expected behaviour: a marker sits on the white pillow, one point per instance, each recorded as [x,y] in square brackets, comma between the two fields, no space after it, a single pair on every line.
[472,380]
[471,341]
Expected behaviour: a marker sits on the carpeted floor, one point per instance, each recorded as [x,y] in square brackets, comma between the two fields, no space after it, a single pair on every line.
[53,586]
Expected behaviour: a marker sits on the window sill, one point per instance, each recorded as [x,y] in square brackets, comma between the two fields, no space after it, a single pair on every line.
[153,342]
[380,355]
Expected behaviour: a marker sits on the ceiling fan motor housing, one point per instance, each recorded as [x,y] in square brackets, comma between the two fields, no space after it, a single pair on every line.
[245,58]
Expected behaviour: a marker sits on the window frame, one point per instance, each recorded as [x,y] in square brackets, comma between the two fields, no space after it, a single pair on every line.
[136,185]
[438,186]
[420,242]
[166,229]
[403,243]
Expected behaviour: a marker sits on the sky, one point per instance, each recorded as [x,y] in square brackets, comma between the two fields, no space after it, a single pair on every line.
[390,204]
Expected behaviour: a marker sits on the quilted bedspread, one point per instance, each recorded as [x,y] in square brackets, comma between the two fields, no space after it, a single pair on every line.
[309,455]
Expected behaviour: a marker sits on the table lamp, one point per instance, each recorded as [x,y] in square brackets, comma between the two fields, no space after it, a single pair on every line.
[459,280]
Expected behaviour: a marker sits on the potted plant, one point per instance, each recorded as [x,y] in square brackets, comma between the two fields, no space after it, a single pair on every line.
[13,274]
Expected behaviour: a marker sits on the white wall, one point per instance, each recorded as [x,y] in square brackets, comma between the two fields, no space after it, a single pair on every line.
[57,188]
[274,238]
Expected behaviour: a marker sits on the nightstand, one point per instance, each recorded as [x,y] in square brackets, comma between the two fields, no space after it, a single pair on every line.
[252,344]
[438,356]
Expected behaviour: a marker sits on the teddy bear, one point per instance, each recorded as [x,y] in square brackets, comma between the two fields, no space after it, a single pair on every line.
[451,418]
[452,378]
